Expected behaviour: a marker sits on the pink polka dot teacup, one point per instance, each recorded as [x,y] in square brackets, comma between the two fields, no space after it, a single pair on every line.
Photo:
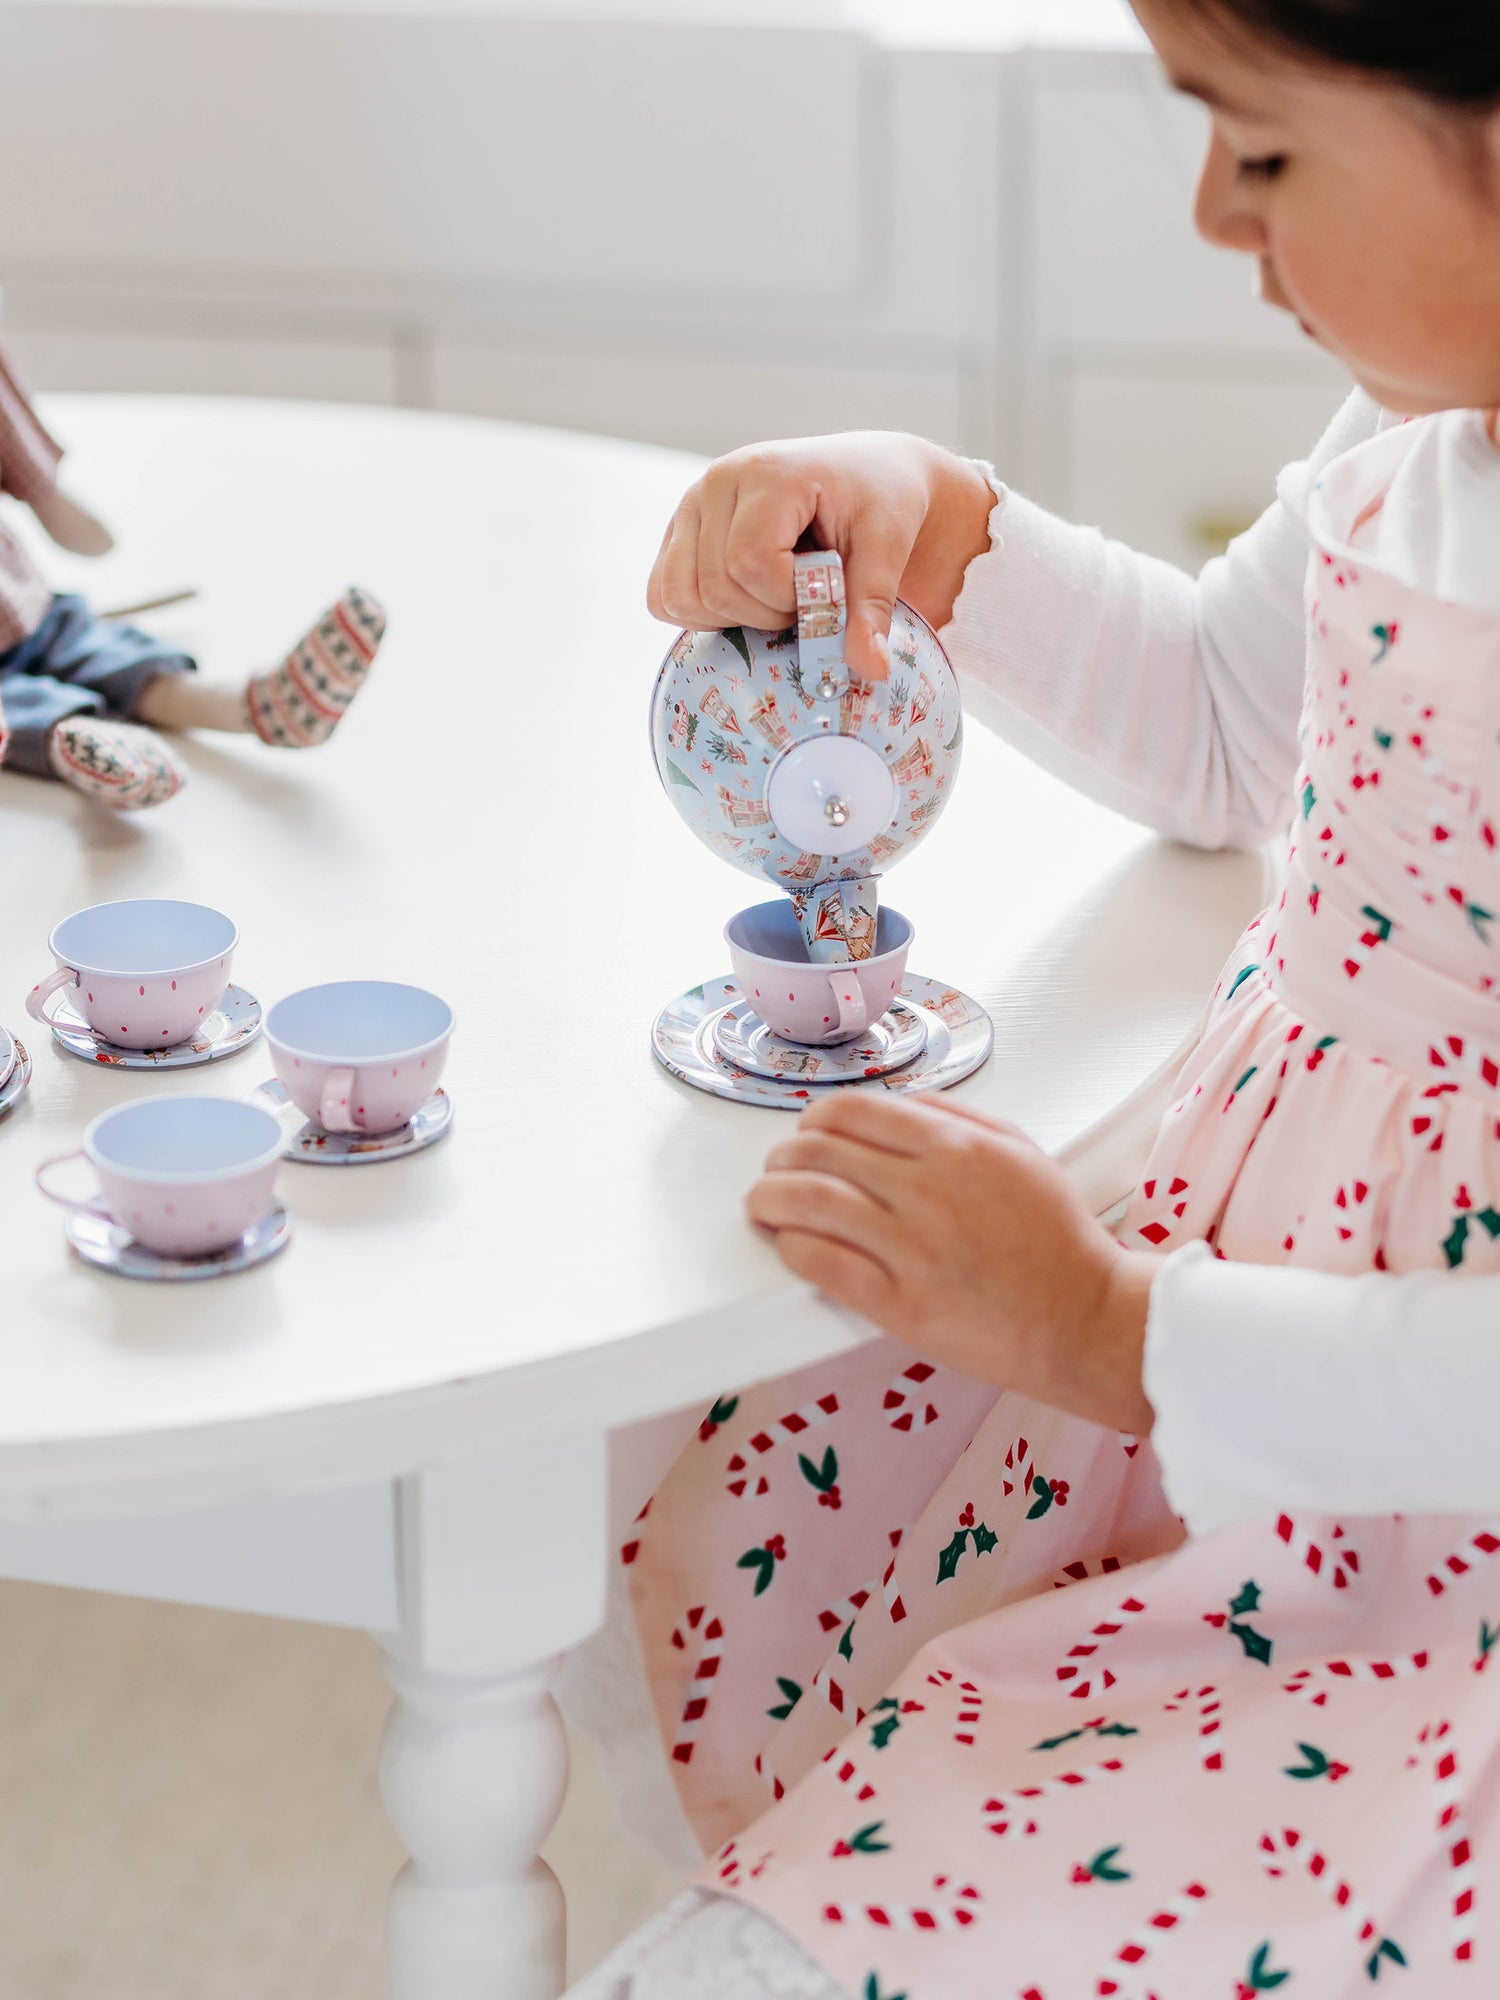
[185,1176]
[360,1055]
[144,974]
[803,1002]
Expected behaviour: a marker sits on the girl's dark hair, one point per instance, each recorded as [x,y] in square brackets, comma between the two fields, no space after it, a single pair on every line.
[1444,49]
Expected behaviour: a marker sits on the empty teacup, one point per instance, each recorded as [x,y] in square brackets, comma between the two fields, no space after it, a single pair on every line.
[360,1055]
[803,1002]
[144,973]
[186,1176]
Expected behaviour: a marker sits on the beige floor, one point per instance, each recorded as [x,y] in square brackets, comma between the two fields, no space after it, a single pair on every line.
[188,1810]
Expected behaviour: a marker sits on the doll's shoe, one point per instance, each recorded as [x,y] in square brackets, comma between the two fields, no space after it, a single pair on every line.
[304,700]
[125,767]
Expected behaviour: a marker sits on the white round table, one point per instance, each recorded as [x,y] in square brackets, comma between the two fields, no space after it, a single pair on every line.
[402,1423]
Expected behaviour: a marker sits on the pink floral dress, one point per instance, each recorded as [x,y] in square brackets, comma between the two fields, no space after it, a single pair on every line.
[946,1689]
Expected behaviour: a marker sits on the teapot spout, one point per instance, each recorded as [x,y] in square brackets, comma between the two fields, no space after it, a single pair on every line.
[838,919]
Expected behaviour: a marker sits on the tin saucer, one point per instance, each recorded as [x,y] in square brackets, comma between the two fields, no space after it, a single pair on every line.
[17,1078]
[958,1037]
[233,1025]
[307,1141]
[103,1243]
[745,1042]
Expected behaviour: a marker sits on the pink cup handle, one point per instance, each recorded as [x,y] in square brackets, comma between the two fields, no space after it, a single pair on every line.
[63,1200]
[333,1110]
[849,1001]
[37,998]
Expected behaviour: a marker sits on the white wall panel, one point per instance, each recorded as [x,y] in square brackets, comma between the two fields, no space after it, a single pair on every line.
[699,402]
[358,149]
[205,364]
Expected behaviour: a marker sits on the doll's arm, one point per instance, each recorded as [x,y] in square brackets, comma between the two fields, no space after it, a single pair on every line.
[29,458]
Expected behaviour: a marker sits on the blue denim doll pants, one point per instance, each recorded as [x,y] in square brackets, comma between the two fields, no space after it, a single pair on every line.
[76,663]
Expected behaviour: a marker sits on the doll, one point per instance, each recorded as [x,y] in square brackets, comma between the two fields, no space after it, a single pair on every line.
[82,698]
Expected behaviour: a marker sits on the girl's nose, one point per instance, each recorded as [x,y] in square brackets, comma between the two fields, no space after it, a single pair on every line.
[1225,212]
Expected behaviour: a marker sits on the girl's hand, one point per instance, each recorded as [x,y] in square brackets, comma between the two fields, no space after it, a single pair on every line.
[907,517]
[960,1237]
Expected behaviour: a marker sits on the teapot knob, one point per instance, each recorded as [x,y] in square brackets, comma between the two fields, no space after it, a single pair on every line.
[836,812]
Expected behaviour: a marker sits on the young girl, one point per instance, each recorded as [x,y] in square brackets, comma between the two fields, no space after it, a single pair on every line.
[952,1701]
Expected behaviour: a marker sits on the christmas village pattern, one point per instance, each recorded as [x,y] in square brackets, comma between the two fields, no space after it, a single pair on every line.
[727,705]
[947,1691]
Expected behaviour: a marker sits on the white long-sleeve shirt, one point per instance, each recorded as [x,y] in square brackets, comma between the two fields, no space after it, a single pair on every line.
[1177,702]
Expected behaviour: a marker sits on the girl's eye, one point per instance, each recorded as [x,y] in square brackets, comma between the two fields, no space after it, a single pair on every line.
[1268,169]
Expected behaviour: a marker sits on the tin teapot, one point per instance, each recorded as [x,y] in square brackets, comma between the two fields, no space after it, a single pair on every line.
[791,768]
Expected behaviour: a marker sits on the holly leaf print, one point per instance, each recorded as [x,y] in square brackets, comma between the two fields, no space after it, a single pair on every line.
[1057,1742]
[1116,1729]
[1256,1645]
[1103,1868]
[825,1476]
[793,1695]
[723,1409]
[1309,799]
[1387,635]
[1245,972]
[1248,1599]
[1259,1977]
[1317,1764]
[948,1559]
[763,1562]
[1488,1637]
[882,1731]
[1387,1948]
[846,1643]
[984,1540]
[872,1991]
[868,1841]
[1043,1499]
[736,637]
[1384,738]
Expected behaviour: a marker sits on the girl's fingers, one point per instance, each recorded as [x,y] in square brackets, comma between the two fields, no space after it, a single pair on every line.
[720,591]
[809,1151]
[823,1205]
[1000,1126]
[769,519]
[880,547]
[673,596]
[850,1276]
[907,1127]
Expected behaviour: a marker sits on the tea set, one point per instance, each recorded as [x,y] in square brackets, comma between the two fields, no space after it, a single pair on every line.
[791,767]
[186,1185]
[774,753]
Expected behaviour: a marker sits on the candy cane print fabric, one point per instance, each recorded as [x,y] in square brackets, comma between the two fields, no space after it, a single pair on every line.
[1022,1737]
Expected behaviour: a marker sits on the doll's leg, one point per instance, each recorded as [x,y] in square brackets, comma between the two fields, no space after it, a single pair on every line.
[125,767]
[58,731]
[298,703]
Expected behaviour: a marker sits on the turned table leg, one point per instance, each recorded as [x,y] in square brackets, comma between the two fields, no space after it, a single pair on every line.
[502,1568]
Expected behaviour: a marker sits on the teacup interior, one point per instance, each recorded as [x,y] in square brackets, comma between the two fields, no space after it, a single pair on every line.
[185,1136]
[771,930]
[358,1020]
[143,936]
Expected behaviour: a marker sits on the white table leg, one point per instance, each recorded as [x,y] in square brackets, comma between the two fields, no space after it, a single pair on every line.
[502,1569]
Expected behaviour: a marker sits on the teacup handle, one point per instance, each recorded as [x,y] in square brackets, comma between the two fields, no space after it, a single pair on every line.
[333,1107]
[62,1200]
[849,1001]
[37,998]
